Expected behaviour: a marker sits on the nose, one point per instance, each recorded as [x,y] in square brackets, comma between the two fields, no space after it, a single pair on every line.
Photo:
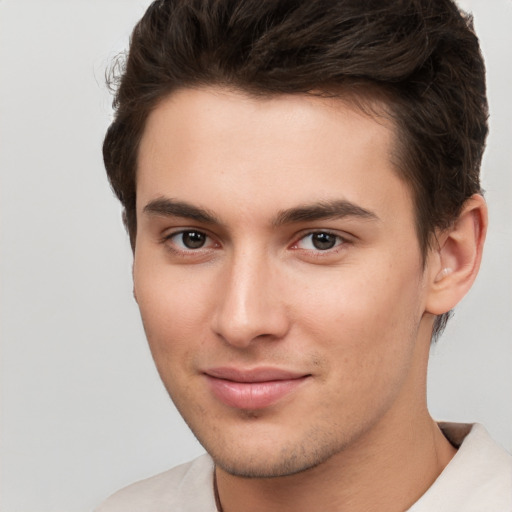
[249,304]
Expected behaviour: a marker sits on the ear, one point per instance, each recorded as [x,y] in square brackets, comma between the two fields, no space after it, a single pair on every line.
[453,265]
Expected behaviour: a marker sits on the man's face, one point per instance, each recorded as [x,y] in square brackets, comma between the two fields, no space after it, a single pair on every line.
[279,276]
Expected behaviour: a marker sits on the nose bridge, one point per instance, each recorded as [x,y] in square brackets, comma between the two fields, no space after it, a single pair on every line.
[249,304]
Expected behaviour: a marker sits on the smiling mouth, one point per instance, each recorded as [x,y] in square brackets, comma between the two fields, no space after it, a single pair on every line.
[252,389]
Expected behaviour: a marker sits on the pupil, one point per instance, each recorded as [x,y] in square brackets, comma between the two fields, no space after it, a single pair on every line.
[193,239]
[324,241]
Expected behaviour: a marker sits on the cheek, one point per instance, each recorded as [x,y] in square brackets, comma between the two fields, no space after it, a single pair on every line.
[362,301]
[173,311]
[367,321]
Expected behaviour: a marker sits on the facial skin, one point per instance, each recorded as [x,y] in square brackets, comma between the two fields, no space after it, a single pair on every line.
[276,238]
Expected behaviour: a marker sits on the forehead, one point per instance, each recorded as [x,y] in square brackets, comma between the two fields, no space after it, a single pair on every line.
[210,145]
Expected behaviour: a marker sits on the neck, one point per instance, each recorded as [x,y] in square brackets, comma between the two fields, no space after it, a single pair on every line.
[385,471]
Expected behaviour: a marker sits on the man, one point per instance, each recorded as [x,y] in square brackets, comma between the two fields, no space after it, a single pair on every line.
[301,189]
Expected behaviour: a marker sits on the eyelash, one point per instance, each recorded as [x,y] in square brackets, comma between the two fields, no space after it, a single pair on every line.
[188,251]
[340,242]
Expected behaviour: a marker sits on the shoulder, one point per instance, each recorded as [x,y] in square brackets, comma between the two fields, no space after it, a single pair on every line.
[478,478]
[188,486]
[481,459]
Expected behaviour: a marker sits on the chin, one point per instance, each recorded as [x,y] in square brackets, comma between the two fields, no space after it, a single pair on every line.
[269,460]
[251,468]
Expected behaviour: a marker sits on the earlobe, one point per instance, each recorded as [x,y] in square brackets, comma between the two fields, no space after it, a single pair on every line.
[454,264]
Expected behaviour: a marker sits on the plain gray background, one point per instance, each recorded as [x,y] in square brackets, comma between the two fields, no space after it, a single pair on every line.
[83,411]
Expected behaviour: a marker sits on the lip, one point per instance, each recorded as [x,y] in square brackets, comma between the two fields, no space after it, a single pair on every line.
[254,388]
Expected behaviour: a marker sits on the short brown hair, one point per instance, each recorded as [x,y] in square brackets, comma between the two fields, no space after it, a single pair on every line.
[421,55]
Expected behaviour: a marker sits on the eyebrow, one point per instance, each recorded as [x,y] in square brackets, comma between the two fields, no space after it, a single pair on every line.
[324,210]
[167,207]
[336,209]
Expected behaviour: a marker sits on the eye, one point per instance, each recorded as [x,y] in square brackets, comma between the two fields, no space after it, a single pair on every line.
[319,241]
[189,240]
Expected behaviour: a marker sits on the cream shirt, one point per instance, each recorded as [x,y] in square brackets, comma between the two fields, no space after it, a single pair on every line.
[477,479]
